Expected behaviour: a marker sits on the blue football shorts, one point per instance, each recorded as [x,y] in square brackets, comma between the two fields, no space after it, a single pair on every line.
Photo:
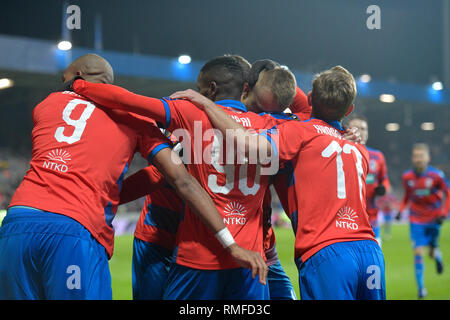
[425,234]
[185,283]
[150,267]
[280,286]
[45,255]
[352,270]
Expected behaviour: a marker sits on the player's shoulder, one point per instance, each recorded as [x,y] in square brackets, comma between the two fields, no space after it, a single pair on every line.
[375,153]
[435,171]
[408,174]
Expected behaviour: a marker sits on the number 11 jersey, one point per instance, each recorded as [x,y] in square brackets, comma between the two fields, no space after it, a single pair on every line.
[79,157]
[329,184]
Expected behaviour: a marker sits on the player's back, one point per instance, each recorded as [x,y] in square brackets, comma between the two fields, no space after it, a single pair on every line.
[329,185]
[237,188]
[79,158]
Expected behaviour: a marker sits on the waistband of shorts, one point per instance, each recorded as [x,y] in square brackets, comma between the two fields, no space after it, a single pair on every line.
[336,248]
[18,213]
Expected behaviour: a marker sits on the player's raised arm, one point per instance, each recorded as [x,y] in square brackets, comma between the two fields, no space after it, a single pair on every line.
[300,105]
[115,97]
[253,144]
[202,205]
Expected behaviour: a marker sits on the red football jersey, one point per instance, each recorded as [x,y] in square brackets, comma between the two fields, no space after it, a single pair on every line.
[329,184]
[162,211]
[425,194]
[377,176]
[80,155]
[236,189]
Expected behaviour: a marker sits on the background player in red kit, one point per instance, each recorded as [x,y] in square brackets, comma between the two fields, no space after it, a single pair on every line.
[425,188]
[336,252]
[377,182]
[57,232]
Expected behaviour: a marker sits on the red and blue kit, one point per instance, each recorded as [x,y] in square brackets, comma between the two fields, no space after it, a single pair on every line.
[317,155]
[377,176]
[67,156]
[424,193]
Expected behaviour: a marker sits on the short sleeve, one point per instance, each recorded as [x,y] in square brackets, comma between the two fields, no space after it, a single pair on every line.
[286,139]
[151,142]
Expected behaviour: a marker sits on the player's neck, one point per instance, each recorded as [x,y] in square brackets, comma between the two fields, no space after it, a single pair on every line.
[420,171]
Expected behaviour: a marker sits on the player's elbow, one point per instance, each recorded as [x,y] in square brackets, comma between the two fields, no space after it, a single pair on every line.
[183,183]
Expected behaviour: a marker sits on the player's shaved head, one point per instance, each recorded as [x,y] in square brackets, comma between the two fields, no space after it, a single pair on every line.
[91,67]
[222,78]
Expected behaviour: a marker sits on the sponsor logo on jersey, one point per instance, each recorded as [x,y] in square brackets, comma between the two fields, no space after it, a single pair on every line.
[346,218]
[234,213]
[57,160]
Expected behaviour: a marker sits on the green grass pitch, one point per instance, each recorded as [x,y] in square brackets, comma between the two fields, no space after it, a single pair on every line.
[400,281]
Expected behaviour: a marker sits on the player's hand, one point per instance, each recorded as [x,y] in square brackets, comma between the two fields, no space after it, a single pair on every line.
[352,134]
[68,85]
[251,260]
[380,190]
[199,100]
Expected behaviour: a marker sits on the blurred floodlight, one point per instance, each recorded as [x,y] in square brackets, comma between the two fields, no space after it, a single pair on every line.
[365,78]
[6,83]
[64,45]
[387,98]
[427,126]
[392,126]
[184,59]
[437,86]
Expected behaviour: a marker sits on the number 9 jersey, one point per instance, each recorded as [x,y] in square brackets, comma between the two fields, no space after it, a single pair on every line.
[329,184]
[79,158]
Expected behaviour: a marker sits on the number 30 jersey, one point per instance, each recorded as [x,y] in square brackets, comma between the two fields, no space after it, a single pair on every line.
[80,155]
[329,184]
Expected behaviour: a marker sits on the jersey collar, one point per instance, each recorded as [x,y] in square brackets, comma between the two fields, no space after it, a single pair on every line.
[423,173]
[232,104]
[334,123]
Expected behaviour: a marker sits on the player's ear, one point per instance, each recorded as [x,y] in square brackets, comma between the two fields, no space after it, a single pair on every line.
[245,91]
[212,90]
[350,110]
[310,98]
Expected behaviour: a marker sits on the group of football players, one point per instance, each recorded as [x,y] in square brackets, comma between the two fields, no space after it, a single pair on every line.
[204,231]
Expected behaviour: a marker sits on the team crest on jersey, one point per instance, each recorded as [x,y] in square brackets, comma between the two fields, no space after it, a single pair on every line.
[428,182]
[346,218]
[234,213]
[57,160]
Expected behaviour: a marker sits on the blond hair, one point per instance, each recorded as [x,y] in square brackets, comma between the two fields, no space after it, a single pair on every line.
[282,84]
[333,92]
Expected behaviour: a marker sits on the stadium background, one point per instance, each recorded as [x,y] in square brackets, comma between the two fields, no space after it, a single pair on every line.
[407,58]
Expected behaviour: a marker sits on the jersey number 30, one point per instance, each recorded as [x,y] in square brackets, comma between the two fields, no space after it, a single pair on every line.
[79,125]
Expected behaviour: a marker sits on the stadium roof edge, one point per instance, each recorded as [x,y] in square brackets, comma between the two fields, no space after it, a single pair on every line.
[43,56]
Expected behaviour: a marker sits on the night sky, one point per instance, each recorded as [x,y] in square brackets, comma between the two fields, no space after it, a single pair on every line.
[309,35]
